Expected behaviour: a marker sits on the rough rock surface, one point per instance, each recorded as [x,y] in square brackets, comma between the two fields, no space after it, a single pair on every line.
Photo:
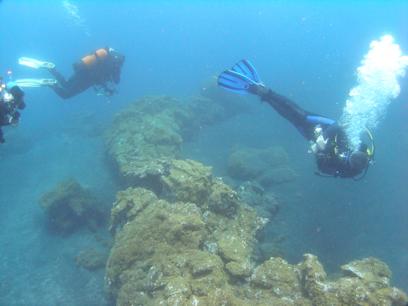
[351,289]
[268,166]
[91,259]
[69,207]
[177,252]
[149,133]
[188,253]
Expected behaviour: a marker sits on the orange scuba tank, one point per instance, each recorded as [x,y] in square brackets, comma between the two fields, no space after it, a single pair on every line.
[91,59]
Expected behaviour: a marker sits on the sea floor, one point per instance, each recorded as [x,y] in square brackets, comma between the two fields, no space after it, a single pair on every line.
[38,267]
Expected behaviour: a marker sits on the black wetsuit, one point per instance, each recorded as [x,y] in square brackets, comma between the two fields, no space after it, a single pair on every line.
[334,159]
[4,119]
[99,74]
[8,110]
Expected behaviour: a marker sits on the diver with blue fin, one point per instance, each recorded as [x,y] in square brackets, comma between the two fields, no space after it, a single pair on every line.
[100,69]
[328,140]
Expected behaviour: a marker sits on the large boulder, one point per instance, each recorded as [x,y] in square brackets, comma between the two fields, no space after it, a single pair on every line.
[69,207]
[162,251]
[147,134]
[365,282]
[187,180]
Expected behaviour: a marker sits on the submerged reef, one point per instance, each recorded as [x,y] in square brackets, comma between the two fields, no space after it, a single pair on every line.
[149,133]
[268,166]
[190,244]
[184,237]
[170,250]
[144,137]
[69,207]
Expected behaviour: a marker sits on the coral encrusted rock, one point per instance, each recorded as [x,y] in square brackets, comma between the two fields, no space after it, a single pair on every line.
[148,133]
[69,207]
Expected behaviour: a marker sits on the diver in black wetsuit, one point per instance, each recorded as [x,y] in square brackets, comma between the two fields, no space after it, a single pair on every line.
[328,140]
[101,69]
[11,100]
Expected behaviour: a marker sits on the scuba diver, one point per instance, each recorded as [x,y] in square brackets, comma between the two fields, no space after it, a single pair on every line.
[100,69]
[328,140]
[11,100]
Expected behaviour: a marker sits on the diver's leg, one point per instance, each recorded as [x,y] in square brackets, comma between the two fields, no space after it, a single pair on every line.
[75,85]
[61,91]
[58,76]
[290,111]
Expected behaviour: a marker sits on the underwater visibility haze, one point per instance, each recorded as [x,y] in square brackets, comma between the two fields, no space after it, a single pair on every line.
[143,169]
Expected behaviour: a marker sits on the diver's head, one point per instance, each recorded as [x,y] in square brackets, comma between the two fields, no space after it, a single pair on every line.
[117,58]
[358,161]
[16,91]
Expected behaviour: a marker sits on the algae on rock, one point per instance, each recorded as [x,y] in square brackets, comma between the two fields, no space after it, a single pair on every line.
[147,134]
[91,259]
[144,137]
[161,247]
[192,246]
[350,289]
[183,247]
[161,256]
[69,206]
[187,180]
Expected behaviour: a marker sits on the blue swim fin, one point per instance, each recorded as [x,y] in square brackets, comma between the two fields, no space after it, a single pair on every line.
[234,81]
[239,78]
[246,68]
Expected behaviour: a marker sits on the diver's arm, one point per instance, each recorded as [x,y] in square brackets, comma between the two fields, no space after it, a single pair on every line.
[105,89]
[109,90]
[336,134]
[116,76]
[3,111]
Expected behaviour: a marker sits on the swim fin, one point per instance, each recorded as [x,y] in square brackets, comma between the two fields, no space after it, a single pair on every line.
[33,63]
[35,82]
[239,78]
[246,68]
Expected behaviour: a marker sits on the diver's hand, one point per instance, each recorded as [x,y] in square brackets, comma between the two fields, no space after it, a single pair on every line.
[258,89]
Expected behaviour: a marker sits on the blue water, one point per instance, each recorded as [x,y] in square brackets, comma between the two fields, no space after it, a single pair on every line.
[306,50]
